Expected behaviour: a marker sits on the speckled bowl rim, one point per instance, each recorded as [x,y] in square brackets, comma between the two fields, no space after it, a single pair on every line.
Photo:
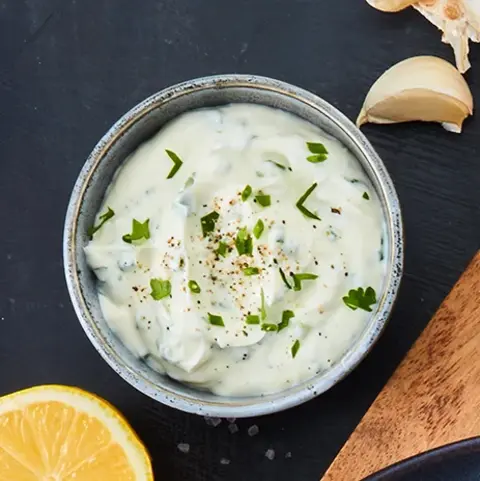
[295,395]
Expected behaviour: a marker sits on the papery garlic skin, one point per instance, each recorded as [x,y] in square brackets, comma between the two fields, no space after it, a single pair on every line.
[459,20]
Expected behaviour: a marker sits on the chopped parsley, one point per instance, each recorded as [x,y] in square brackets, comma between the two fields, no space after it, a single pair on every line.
[194,287]
[319,151]
[295,348]
[298,278]
[252,319]
[284,278]
[366,196]
[103,218]
[139,231]
[278,164]
[247,192]
[215,320]
[263,199]
[258,229]
[177,163]
[302,199]
[160,288]
[263,310]
[222,249]
[269,327]
[360,299]
[251,271]
[286,316]
[208,222]
[243,242]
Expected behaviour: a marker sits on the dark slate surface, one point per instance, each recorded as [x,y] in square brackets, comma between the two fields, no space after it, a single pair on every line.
[70,68]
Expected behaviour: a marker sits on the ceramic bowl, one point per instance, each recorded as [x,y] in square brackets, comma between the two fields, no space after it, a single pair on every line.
[129,132]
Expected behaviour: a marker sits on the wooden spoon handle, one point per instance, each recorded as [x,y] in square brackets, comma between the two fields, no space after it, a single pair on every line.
[432,399]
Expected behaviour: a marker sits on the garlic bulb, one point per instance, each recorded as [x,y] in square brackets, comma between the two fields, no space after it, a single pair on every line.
[459,20]
[419,88]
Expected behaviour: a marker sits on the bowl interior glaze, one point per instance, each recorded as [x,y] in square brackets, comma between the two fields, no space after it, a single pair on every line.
[141,123]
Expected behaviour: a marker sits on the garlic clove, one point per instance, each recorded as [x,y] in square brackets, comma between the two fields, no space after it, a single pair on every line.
[391,5]
[419,88]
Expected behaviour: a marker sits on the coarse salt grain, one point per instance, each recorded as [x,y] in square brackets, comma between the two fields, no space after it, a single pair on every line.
[212,421]
[224,461]
[288,455]
[233,428]
[253,430]
[183,447]
[270,454]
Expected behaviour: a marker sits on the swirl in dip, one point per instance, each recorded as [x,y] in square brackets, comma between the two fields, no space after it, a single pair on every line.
[239,250]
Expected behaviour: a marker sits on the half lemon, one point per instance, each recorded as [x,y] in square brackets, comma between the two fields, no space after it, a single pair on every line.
[61,433]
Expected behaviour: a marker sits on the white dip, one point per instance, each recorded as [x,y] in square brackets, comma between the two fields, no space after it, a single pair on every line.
[205,338]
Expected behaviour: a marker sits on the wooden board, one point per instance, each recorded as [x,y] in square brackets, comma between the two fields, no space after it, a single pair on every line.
[432,399]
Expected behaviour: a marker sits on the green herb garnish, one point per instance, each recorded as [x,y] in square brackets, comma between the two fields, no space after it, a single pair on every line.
[251,271]
[366,196]
[222,249]
[208,222]
[247,192]
[252,319]
[269,327]
[360,299]
[302,199]
[315,159]
[317,148]
[194,287]
[284,278]
[103,218]
[263,200]
[295,348]
[263,310]
[177,163]
[160,288]
[319,151]
[280,166]
[298,278]
[258,229]
[139,231]
[286,316]
[243,242]
[215,320]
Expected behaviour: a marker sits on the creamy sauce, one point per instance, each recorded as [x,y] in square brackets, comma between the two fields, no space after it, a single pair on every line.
[223,150]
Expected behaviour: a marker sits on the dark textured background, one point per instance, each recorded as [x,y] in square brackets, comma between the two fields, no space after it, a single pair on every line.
[70,68]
